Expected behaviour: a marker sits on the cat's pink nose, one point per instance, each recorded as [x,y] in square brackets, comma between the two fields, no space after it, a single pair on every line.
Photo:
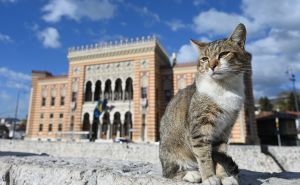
[213,65]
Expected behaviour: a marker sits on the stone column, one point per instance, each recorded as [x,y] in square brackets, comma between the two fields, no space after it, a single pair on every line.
[108,131]
[91,126]
[93,92]
[123,89]
[113,90]
[123,124]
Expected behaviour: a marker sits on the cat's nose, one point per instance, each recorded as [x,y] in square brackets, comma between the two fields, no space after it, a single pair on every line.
[213,64]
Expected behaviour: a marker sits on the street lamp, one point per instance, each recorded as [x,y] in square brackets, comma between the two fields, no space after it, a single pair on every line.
[292,78]
[16,112]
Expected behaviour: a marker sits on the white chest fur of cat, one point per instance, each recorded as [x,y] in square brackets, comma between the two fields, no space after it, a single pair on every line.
[228,95]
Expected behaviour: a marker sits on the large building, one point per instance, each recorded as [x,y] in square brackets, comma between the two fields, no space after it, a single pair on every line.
[137,78]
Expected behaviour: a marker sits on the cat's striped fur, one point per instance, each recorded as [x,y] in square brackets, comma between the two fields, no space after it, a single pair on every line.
[197,123]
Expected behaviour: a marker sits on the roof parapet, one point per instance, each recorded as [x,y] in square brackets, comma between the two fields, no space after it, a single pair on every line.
[111,44]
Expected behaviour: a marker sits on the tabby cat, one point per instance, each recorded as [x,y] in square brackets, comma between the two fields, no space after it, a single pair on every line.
[197,123]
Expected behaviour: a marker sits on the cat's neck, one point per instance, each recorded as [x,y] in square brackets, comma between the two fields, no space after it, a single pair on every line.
[212,87]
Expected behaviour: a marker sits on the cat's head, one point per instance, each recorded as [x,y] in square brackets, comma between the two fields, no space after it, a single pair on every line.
[224,58]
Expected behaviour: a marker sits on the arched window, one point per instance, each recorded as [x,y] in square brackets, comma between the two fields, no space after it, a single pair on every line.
[105,125]
[98,91]
[88,91]
[127,125]
[86,122]
[108,90]
[116,125]
[129,89]
[118,90]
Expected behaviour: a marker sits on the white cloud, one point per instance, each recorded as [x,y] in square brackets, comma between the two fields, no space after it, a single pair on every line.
[13,79]
[95,10]
[175,25]
[213,22]
[187,53]
[49,37]
[12,75]
[274,13]
[5,38]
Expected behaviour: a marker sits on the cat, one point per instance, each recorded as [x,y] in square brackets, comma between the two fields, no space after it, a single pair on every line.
[197,123]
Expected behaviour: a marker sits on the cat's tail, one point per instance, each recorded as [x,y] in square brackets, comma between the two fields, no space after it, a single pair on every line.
[227,162]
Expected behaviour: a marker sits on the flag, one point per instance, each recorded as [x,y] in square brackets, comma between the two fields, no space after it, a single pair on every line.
[100,107]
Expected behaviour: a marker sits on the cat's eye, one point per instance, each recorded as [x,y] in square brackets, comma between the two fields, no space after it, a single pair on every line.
[223,54]
[204,59]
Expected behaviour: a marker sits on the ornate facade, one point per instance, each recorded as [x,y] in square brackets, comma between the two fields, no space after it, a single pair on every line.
[135,76]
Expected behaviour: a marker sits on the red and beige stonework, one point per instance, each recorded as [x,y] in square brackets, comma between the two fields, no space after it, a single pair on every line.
[137,78]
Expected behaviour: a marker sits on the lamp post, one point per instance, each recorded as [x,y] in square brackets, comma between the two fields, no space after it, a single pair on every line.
[278,130]
[16,114]
[292,78]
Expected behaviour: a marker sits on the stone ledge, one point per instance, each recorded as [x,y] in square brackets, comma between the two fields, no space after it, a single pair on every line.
[247,157]
[28,168]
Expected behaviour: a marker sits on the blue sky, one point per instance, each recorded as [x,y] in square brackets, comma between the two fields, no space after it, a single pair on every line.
[35,35]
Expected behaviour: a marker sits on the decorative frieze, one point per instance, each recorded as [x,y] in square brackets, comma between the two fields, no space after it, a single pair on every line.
[112,71]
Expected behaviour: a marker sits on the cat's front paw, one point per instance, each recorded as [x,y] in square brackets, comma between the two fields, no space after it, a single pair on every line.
[213,180]
[231,180]
[192,176]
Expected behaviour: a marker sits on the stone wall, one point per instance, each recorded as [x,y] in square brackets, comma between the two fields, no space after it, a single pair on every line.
[246,156]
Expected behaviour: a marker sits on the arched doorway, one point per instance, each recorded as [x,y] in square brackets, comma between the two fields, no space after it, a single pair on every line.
[108,90]
[98,91]
[129,89]
[88,91]
[105,132]
[116,130]
[118,90]
[127,125]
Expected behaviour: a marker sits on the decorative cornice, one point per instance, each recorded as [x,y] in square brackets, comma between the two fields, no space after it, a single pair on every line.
[117,48]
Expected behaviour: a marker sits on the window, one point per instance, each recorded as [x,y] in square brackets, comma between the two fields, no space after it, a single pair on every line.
[50,128]
[43,101]
[60,127]
[52,101]
[62,100]
[42,115]
[72,123]
[144,92]
[74,96]
[61,115]
[51,115]
[41,127]
[168,95]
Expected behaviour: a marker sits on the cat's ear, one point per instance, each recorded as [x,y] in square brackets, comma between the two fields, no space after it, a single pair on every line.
[199,44]
[238,36]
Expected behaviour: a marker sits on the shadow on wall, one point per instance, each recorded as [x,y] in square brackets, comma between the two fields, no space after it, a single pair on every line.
[20,154]
[248,177]
[265,150]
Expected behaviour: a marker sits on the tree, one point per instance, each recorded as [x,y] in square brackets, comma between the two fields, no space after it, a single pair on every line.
[265,104]
[291,102]
[286,102]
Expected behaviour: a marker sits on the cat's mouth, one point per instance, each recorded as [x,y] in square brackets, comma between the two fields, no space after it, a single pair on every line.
[216,73]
